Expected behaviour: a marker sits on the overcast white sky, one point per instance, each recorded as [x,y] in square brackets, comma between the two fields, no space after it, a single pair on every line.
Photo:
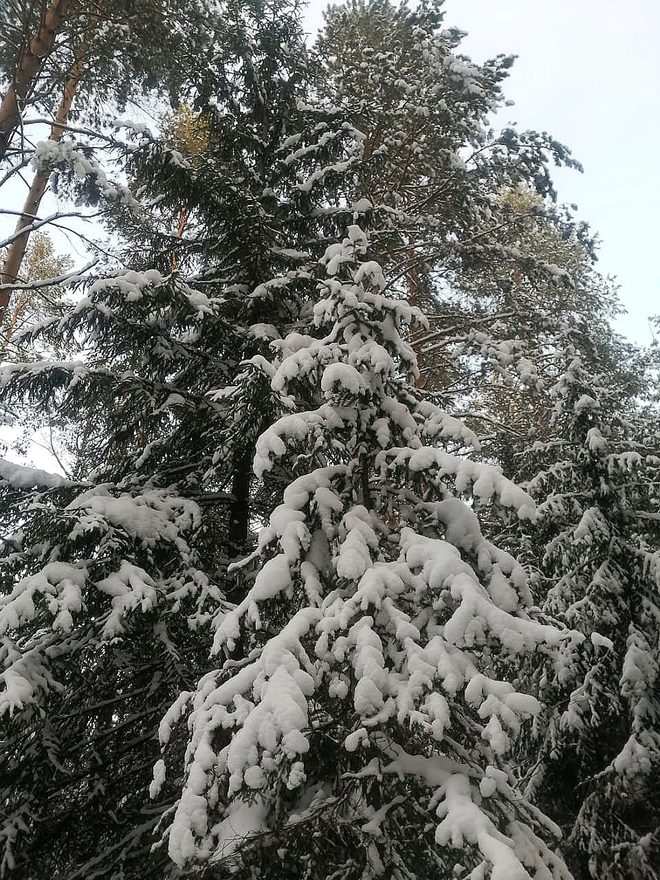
[588,71]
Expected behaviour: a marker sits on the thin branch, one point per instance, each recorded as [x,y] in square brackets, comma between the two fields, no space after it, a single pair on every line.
[37,223]
[51,282]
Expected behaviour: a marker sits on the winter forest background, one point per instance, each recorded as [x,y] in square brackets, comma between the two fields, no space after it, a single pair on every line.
[348,562]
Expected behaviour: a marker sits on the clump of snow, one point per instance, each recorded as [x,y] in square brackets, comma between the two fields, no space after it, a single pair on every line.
[20,477]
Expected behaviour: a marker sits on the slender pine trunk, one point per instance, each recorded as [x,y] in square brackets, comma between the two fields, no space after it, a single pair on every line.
[27,69]
[239,510]
[14,258]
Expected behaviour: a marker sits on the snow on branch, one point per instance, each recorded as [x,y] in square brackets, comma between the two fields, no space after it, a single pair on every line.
[20,477]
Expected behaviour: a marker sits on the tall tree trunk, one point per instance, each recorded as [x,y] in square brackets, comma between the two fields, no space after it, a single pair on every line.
[181,228]
[239,510]
[16,252]
[8,329]
[414,286]
[27,69]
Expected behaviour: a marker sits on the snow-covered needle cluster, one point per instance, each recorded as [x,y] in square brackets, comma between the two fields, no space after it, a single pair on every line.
[351,569]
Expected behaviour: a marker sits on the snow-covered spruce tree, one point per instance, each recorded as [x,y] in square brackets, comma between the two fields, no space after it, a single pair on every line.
[240,220]
[595,755]
[107,577]
[104,579]
[354,728]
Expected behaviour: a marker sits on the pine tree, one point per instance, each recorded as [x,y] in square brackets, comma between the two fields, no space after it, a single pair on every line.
[41,297]
[471,225]
[113,50]
[76,62]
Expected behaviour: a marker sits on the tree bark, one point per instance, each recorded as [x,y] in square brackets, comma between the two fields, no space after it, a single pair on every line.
[8,331]
[14,258]
[181,228]
[239,509]
[27,69]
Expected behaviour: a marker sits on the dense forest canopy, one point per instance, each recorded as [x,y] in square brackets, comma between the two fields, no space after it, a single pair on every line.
[349,564]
